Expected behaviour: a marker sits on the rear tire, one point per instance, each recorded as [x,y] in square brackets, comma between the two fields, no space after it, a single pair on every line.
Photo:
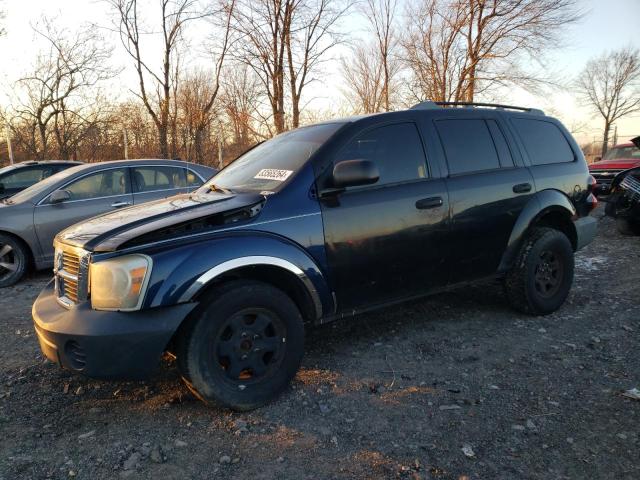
[540,280]
[13,260]
[627,226]
[243,346]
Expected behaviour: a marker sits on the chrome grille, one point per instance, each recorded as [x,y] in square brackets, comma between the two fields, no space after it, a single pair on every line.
[71,275]
[632,186]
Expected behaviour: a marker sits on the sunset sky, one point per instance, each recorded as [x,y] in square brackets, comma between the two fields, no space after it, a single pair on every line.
[607,25]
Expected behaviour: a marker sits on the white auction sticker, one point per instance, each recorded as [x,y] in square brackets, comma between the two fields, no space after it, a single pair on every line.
[273,174]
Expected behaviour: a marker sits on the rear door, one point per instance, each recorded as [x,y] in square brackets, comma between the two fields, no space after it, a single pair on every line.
[387,241]
[151,182]
[488,188]
[91,194]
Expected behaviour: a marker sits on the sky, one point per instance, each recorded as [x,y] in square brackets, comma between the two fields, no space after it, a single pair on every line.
[607,25]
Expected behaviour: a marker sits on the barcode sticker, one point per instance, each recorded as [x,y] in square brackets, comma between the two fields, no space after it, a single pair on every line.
[273,174]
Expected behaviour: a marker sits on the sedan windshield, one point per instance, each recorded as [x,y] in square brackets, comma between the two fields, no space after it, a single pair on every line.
[267,167]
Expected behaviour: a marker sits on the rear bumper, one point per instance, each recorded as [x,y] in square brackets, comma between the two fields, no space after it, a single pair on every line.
[586,228]
[109,345]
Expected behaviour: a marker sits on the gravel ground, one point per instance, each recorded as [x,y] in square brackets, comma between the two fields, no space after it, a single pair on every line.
[457,386]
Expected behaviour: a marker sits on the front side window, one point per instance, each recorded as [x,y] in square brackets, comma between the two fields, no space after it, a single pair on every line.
[395,149]
[102,184]
[149,179]
[544,142]
[268,166]
[468,145]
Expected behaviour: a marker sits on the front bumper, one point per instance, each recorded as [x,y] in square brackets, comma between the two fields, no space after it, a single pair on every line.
[99,344]
[586,228]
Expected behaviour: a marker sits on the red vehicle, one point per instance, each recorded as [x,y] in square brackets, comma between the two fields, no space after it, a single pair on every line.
[617,159]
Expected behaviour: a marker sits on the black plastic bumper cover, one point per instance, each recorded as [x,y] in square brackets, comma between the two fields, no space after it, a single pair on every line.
[586,228]
[109,345]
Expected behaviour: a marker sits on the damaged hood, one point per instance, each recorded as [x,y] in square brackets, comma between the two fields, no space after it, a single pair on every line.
[161,219]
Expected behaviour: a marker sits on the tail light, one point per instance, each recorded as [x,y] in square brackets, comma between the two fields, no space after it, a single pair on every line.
[591,201]
[591,184]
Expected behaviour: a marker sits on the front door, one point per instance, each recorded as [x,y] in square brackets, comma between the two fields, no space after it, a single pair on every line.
[90,195]
[387,241]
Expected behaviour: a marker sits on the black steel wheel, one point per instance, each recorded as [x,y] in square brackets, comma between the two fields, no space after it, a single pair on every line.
[243,345]
[541,277]
[13,260]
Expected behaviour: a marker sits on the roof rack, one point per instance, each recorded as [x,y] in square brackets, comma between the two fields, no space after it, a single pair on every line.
[429,105]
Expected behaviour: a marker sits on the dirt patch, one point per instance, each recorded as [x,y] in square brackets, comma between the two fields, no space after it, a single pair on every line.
[396,394]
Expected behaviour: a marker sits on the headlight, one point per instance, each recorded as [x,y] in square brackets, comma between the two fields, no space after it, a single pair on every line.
[119,283]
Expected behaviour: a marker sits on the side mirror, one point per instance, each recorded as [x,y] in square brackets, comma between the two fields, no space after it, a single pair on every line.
[351,173]
[59,196]
[597,159]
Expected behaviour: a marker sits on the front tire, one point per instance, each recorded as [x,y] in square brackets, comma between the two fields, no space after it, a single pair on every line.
[243,346]
[540,280]
[13,260]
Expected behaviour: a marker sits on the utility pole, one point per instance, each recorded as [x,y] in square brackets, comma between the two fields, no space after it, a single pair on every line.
[8,137]
[126,143]
[220,146]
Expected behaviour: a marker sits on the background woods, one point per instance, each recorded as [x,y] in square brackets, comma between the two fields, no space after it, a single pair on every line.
[206,79]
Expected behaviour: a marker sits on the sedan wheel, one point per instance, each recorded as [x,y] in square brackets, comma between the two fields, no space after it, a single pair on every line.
[13,261]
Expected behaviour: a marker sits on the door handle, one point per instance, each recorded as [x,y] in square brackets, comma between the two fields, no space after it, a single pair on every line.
[120,204]
[431,202]
[522,188]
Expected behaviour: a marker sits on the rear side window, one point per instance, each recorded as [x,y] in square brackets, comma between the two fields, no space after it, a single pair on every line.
[395,149]
[192,179]
[544,142]
[150,178]
[468,145]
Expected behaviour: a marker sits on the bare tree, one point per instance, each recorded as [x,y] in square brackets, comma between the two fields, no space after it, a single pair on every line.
[363,74]
[285,41]
[310,37]
[57,98]
[457,49]
[610,86]
[381,15]
[156,87]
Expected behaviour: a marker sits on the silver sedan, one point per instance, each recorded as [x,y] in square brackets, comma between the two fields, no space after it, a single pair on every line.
[30,220]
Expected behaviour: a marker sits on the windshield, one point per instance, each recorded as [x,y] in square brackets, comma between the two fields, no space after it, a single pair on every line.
[38,188]
[267,167]
[622,152]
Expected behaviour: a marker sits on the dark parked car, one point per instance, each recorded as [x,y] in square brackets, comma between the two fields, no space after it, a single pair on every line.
[30,219]
[17,177]
[624,202]
[320,223]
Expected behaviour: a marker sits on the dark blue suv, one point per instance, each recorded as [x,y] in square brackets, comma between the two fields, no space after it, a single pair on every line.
[320,223]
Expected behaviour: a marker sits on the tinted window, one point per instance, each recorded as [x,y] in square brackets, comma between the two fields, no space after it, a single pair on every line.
[504,154]
[467,145]
[192,179]
[148,179]
[543,141]
[102,184]
[395,149]
[23,177]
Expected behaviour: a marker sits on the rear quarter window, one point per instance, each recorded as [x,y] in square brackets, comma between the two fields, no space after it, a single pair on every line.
[543,141]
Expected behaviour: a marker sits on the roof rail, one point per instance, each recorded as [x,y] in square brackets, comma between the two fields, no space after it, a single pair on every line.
[429,105]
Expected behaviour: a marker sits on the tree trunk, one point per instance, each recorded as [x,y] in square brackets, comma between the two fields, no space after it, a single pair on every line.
[605,138]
